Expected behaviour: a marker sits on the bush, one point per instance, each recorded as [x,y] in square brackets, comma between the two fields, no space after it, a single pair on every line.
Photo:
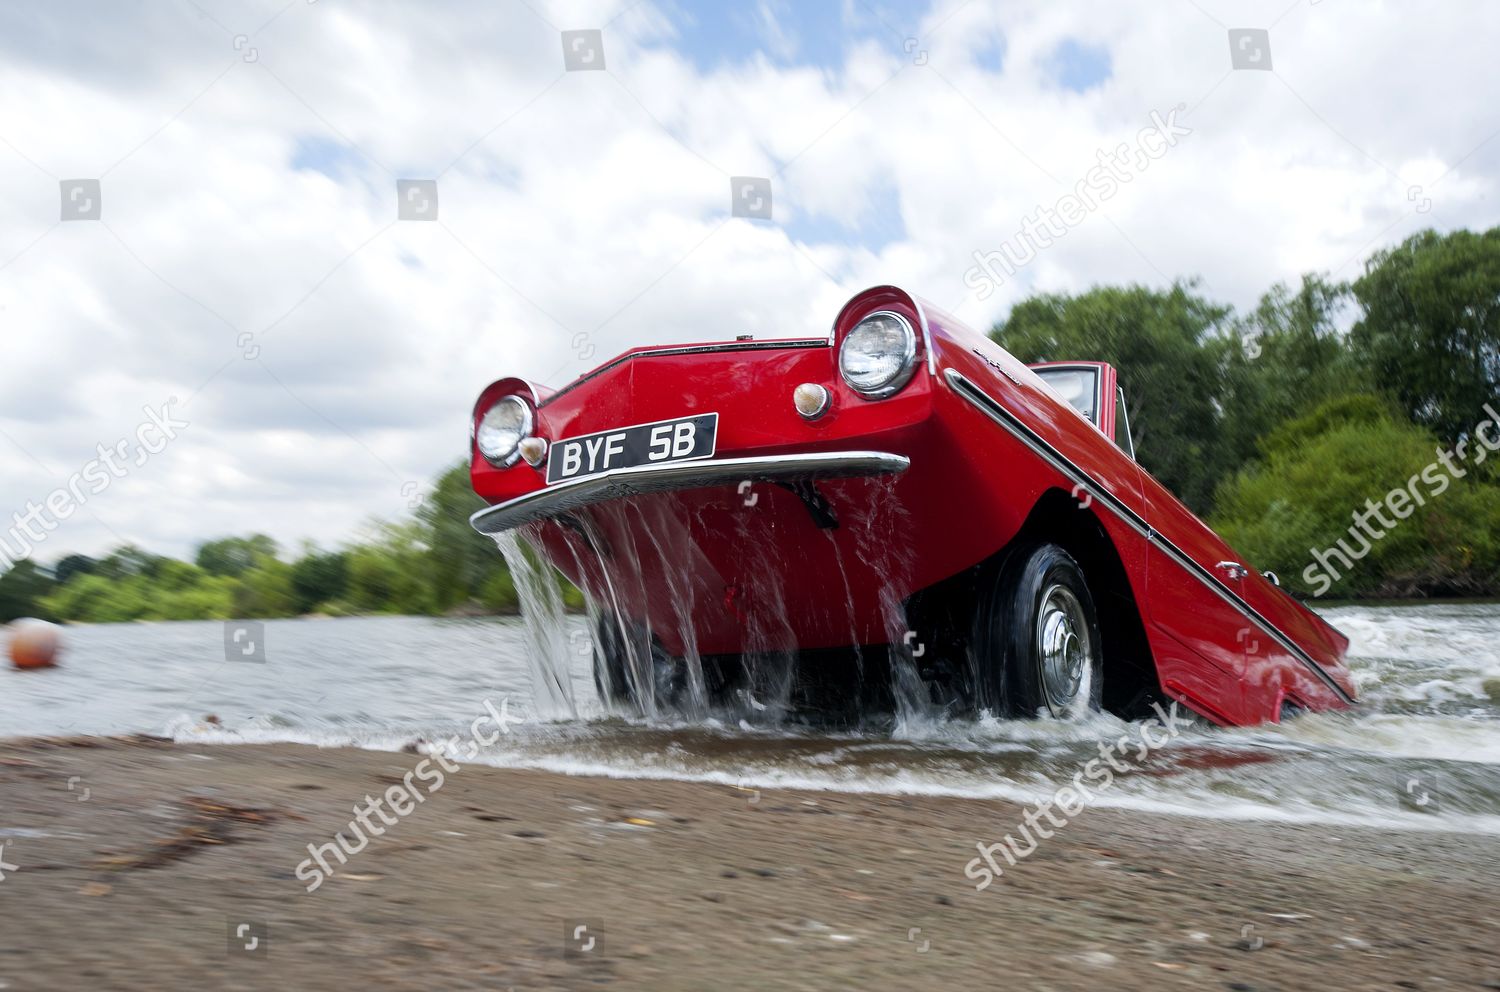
[1319,471]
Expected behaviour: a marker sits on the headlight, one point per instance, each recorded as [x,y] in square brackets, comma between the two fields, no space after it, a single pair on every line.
[878,356]
[501,430]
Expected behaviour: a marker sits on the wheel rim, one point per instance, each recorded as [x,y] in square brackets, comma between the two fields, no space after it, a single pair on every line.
[1063,647]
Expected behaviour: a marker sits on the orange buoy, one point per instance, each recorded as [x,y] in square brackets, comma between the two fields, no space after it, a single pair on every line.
[34,644]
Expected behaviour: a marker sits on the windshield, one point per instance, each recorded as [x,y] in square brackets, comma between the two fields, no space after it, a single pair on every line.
[1079,386]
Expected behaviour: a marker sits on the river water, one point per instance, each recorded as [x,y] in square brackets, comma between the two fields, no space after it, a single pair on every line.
[1421,752]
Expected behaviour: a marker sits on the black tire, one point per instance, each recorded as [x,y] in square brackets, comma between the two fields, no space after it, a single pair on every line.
[1037,649]
[628,660]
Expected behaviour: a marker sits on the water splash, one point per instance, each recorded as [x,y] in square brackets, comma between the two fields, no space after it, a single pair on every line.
[639,562]
[678,556]
[542,611]
[615,549]
[880,528]
[770,659]
[838,559]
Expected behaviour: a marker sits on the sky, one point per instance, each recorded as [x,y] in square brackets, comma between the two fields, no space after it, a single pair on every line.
[243,266]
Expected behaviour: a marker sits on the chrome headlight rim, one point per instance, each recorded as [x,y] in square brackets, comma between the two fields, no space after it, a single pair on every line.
[528,423]
[908,357]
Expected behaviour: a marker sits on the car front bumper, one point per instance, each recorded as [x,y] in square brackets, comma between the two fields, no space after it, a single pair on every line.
[569,496]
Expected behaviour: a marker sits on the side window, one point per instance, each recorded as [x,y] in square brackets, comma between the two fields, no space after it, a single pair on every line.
[1080,387]
[1123,440]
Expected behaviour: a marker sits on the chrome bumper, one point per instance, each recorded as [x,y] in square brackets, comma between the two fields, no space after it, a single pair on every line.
[614,484]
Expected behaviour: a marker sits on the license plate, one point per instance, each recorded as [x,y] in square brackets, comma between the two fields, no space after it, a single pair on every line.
[631,447]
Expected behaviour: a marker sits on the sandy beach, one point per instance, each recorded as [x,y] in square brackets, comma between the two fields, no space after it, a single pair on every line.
[135,863]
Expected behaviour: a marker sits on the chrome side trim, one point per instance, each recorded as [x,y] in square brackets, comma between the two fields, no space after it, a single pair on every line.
[926,336]
[697,349]
[1125,416]
[988,405]
[671,476]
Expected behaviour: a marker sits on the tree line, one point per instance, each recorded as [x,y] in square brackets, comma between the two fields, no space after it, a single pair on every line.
[432,563]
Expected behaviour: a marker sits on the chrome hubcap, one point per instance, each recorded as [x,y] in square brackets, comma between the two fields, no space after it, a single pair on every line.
[1062,642]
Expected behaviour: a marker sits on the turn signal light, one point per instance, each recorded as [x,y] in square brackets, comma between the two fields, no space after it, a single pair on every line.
[533,449]
[811,400]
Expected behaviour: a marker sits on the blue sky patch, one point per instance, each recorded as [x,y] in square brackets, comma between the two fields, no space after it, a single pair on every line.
[1077,66]
[991,55]
[321,154]
[874,227]
[715,33]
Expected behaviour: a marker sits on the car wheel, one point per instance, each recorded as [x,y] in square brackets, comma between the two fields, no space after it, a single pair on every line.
[632,669]
[1037,646]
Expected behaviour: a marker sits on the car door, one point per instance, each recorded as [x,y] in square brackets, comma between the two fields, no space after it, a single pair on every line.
[1199,634]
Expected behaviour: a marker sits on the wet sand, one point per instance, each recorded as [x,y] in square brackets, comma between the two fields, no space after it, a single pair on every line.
[144,881]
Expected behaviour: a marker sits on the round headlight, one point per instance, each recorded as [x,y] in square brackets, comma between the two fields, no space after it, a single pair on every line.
[500,432]
[878,355]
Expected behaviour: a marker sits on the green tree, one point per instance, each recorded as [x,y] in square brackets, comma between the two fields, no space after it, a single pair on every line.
[1431,328]
[234,556]
[387,574]
[1291,358]
[266,589]
[74,565]
[212,597]
[1319,470]
[127,561]
[1169,348]
[100,599]
[461,562]
[319,578]
[23,592]
[172,590]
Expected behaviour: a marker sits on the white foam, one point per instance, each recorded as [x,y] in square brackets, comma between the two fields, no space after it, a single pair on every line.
[914,783]
[1391,735]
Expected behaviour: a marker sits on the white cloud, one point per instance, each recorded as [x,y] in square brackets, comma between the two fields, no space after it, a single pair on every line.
[596,204]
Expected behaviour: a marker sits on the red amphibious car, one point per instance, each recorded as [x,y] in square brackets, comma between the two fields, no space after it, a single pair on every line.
[899,489]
